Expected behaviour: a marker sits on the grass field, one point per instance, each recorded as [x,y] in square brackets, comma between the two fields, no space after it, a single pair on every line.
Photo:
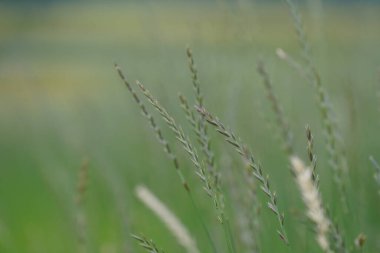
[61,101]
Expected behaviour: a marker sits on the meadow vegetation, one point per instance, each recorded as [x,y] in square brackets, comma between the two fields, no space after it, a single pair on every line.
[251,128]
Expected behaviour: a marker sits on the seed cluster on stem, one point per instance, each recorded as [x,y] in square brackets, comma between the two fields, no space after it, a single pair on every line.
[154,126]
[147,244]
[202,173]
[255,168]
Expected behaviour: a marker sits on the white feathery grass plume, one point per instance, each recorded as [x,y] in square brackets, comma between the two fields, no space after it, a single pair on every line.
[175,226]
[313,202]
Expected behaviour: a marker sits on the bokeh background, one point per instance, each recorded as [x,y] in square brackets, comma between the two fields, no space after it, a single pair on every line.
[61,102]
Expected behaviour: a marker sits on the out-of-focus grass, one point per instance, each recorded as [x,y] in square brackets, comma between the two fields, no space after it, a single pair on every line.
[61,100]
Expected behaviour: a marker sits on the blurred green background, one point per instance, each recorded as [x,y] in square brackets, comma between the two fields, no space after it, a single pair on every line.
[61,101]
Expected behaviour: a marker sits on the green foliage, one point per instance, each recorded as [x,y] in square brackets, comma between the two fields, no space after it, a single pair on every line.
[60,101]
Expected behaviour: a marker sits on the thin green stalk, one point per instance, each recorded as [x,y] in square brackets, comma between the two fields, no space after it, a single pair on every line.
[376,166]
[230,236]
[81,219]
[227,238]
[246,207]
[203,224]
[252,211]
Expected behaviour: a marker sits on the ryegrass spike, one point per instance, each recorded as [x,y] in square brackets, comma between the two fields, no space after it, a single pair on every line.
[194,77]
[203,140]
[147,244]
[190,149]
[255,168]
[286,134]
[155,128]
[197,121]
[311,155]
[210,188]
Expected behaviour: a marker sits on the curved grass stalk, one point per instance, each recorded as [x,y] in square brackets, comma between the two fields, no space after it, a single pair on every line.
[255,168]
[203,140]
[155,128]
[168,151]
[214,193]
[191,151]
[282,123]
[197,121]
